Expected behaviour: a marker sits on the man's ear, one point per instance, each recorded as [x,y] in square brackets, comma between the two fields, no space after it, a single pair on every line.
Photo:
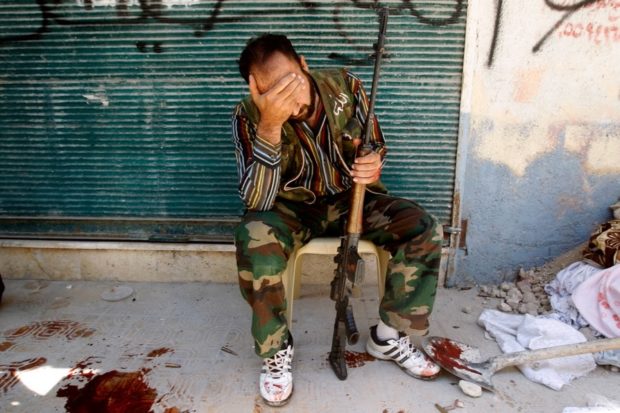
[304,65]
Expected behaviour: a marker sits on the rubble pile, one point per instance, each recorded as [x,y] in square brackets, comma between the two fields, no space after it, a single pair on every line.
[527,294]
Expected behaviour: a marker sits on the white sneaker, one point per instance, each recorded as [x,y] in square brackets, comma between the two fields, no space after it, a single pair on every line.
[276,377]
[402,352]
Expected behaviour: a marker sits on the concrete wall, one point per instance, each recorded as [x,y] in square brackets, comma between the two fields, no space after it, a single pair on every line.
[540,144]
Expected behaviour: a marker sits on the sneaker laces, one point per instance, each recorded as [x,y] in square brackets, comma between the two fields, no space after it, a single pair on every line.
[279,364]
[405,348]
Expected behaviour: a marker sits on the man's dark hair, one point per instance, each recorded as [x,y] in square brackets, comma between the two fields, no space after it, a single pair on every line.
[259,49]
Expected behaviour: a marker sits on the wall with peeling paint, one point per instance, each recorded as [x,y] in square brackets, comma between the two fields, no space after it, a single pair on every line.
[540,133]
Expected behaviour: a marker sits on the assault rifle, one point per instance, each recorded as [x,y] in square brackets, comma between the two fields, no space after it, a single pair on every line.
[350,269]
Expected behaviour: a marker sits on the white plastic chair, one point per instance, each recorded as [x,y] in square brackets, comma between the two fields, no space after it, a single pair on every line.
[327,246]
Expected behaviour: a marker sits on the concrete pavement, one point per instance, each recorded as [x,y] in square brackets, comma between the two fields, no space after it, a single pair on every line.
[186,347]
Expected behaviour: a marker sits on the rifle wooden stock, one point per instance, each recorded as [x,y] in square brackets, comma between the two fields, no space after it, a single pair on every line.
[354,222]
[356,208]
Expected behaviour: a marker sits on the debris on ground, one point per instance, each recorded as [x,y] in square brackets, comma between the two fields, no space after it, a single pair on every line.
[470,389]
[555,289]
[527,294]
[515,333]
[596,404]
[229,351]
[598,300]
[117,293]
[561,291]
[457,404]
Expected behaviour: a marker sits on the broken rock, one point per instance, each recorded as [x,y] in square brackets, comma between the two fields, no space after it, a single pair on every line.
[524,286]
[496,292]
[529,297]
[531,308]
[485,291]
[503,306]
[537,288]
[470,389]
[514,294]
[505,286]
[513,303]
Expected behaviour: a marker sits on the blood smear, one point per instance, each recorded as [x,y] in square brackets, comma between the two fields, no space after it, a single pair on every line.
[448,354]
[112,392]
[356,359]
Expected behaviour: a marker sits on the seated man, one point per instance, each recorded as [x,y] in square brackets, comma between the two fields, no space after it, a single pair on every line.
[296,160]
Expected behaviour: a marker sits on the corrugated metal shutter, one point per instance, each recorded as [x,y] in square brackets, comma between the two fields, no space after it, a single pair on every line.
[115,114]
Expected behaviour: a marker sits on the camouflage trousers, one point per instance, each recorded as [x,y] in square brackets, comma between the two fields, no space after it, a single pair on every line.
[265,239]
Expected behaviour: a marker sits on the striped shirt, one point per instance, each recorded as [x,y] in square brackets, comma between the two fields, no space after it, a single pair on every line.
[322,172]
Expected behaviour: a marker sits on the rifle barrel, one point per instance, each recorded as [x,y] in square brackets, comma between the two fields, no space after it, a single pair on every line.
[380,48]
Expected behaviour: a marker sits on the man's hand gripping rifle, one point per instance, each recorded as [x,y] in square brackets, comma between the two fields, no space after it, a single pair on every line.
[350,269]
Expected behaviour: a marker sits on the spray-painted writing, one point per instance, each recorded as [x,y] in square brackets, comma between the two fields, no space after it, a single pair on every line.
[208,15]
[598,24]
[132,3]
[596,29]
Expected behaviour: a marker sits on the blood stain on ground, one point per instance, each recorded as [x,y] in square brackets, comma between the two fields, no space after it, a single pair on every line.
[82,370]
[112,392]
[6,345]
[357,359]
[42,330]
[159,352]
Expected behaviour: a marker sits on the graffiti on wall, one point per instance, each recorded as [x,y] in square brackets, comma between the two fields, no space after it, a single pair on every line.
[585,23]
[205,16]
[132,3]
[589,27]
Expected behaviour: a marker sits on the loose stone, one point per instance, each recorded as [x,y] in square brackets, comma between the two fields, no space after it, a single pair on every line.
[504,307]
[470,389]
